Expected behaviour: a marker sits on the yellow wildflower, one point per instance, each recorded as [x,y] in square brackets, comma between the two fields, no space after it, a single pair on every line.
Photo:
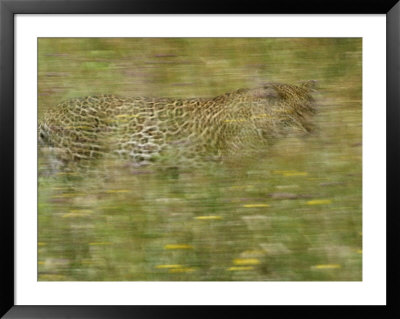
[168,266]
[255,205]
[319,202]
[240,268]
[327,266]
[210,217]
[246,261]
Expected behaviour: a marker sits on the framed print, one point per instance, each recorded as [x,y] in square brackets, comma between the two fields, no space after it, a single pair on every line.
[165,155]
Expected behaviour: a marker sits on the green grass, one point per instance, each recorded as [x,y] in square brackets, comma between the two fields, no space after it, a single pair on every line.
[292,212]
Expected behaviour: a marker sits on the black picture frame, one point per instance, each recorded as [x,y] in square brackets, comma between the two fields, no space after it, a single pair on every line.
[9,8]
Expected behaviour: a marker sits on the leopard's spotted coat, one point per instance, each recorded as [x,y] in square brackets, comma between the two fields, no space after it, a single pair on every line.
[143,130]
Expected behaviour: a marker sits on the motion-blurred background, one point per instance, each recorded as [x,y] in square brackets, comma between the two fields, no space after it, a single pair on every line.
[293,214]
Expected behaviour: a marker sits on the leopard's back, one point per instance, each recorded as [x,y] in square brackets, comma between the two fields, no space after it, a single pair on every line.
[144,130]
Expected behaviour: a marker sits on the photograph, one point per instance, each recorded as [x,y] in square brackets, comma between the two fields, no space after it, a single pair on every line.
[199,159]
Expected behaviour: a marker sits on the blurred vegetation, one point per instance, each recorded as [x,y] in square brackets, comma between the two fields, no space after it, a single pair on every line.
[291,214]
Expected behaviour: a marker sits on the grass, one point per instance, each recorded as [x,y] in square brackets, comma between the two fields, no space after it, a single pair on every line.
[292,213]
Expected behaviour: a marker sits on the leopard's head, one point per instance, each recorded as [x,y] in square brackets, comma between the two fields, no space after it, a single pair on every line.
[272,110]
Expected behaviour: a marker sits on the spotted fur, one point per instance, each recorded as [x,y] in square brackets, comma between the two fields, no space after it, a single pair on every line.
[144,130]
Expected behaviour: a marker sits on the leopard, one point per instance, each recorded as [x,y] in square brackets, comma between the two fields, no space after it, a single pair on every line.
[150,130]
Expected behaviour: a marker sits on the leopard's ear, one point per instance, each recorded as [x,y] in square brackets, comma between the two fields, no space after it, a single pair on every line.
[310,85]
[266,92]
